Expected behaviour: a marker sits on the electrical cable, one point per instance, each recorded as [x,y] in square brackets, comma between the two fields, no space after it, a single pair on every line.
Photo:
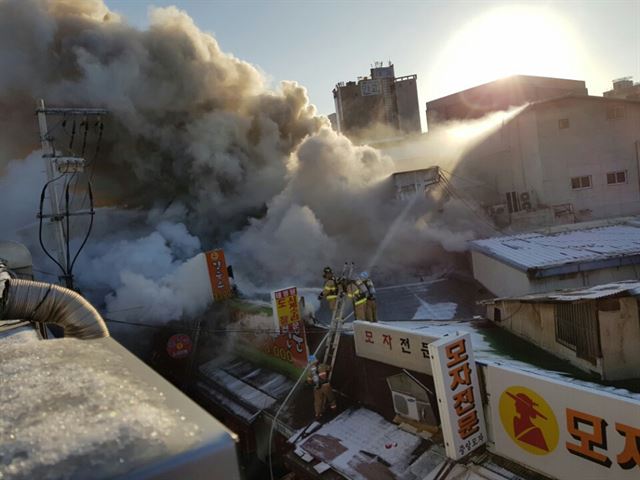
[85,122]
[86,238]
[70,183]
[73,135]
[449,188]
[42,195]
[472,182]
[213,331]
[90,164]
[68,279]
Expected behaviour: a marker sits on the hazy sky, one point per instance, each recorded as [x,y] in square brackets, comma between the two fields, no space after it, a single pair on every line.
[450,45]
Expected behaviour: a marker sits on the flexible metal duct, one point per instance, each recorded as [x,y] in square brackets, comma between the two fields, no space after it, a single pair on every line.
[48,303]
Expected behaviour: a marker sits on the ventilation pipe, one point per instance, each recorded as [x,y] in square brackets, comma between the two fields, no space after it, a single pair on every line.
[48,303]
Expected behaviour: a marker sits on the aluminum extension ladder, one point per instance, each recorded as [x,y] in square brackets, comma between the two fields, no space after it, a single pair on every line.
[337,319]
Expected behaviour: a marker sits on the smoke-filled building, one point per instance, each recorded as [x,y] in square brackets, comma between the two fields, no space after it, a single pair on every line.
[499,95]
[379,100]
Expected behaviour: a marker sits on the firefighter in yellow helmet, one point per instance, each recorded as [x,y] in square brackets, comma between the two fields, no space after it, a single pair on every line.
[367,288]
[318,376]
[357,293]
[330,289]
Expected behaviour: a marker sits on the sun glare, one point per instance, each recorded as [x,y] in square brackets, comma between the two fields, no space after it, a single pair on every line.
[508,41]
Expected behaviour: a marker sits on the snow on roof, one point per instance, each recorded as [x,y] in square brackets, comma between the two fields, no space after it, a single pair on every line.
[360,444]
[486,350]
[626,287]
[79,409]
[566,252]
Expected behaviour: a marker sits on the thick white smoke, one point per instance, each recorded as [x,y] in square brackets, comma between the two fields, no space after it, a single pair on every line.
[204,155]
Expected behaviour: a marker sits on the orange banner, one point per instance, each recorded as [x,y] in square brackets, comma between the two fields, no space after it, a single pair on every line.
[218,274]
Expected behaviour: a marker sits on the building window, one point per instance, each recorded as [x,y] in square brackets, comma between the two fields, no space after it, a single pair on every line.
[616,178]
[563,123]
[577,328]
[581,182]
[615,111]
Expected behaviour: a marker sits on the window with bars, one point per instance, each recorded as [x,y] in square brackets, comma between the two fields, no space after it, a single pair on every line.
[577,328]
[578,183]
[615,111]
[616,178]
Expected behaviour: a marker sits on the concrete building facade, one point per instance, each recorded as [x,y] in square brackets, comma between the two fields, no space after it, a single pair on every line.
[380,101]
[499,95]
[596,329]
[569,159]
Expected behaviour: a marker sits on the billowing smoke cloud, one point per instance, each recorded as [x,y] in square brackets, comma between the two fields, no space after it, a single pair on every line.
[204,154]
[189,122]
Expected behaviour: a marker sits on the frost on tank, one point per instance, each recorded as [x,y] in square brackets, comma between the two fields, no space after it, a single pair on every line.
[73,410]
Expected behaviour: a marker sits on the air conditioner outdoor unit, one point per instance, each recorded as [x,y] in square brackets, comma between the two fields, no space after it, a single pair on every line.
[406,406]
[525,201]
[498,209]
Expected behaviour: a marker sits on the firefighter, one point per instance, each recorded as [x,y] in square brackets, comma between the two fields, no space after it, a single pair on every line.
[330,289]
[371,313]
[357,292]
[318,376]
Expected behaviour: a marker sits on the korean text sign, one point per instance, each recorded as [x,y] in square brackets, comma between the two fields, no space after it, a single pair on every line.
[218,275]
[455,377]
[393,345]
[290,345]
[286,310]
[561,429]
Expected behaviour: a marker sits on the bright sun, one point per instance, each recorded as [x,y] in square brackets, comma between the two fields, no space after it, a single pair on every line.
[508,41]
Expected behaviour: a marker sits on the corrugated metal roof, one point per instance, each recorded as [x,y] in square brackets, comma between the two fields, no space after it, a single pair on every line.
[629,287]
[362,445]
[579,247]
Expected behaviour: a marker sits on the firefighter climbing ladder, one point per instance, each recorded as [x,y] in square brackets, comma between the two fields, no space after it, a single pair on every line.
[335,329]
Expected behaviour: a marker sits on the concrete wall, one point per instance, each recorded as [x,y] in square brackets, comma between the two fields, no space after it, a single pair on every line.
[620,340]
[531,154]
[592,145]
[497,277]
[536,324]
[619,334]
[408,107]
[505,281]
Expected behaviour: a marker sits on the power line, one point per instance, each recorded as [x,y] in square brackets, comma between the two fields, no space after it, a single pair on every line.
[77,163]
[252,331]
[449,188]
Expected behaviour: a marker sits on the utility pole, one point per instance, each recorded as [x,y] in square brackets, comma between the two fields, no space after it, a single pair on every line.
[58,166]
[48,154]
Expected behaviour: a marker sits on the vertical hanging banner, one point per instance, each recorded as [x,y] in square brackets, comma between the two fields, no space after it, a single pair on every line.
[218,275]
[455,377]
[286,310]
[290,344]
